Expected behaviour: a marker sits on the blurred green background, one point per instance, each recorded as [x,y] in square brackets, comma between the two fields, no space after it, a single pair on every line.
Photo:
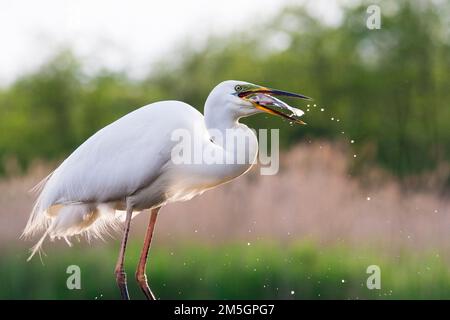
[389,88]
[232,271]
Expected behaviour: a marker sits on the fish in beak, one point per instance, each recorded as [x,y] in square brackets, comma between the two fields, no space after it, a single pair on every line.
[264,99]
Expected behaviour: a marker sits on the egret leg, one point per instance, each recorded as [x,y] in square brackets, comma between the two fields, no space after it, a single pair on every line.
[121,277]
[141,277]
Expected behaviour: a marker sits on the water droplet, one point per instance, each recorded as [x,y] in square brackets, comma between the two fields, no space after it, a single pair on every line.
[342,132]
[248,243]
[292,292]
[352,141]
[307,109]
[322,109]
[314,105]
[368,198]
[436,211]
[337,120]
[354,156]
[196,231]
[307,105]
[343,281]
[332,118]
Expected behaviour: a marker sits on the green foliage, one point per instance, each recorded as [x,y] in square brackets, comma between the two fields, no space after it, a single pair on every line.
[232,271]
[388,87]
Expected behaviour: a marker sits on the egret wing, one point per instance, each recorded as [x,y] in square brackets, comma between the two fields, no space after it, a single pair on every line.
[120,158]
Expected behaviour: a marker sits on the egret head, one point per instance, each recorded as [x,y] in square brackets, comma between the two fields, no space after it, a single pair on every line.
[243,99]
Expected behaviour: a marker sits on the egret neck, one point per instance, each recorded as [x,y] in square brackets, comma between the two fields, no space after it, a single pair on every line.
[237,140]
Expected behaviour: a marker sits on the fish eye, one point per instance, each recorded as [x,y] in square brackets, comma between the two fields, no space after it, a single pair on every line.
[238,88]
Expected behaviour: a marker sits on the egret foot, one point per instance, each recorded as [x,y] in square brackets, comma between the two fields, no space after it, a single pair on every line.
[142,281]
[121,279]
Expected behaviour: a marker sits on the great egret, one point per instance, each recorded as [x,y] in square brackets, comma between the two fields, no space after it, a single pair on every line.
[128,165]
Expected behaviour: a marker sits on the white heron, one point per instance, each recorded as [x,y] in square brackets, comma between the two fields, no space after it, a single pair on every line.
[128,166]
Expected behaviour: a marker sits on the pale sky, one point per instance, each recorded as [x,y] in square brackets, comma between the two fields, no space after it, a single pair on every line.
[124,35]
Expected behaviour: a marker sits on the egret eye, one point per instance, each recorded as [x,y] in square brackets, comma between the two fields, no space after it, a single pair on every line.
[238,88]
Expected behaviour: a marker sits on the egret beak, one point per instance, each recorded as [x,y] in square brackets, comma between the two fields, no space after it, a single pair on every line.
[263,99]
